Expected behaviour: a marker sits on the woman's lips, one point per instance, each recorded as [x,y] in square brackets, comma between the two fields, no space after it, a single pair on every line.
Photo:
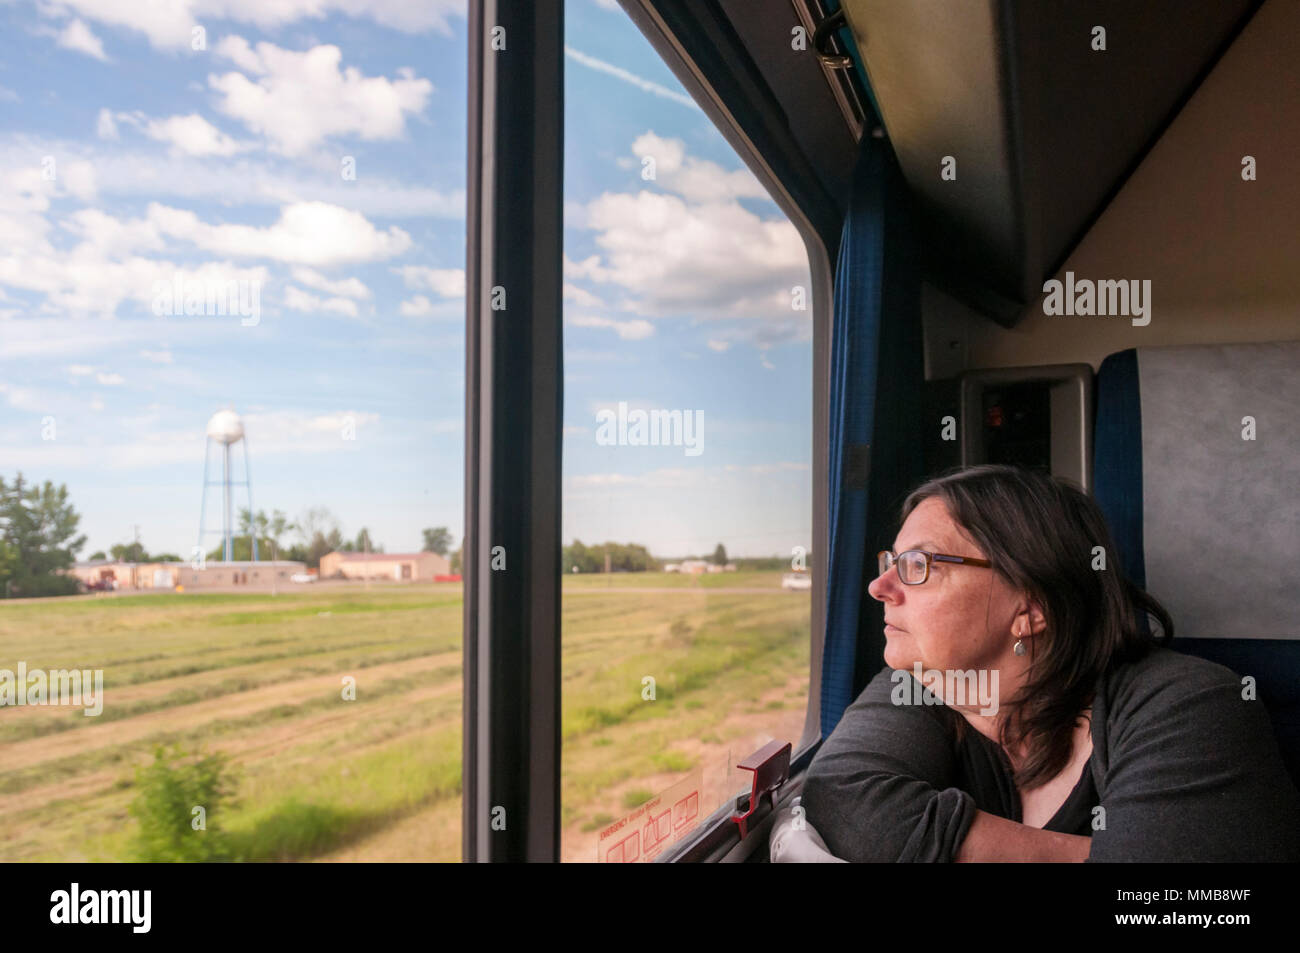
[890,626]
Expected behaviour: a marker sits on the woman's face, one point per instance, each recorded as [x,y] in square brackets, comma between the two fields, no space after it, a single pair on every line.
[962,617]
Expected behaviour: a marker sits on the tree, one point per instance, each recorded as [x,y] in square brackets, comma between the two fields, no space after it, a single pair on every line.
[720,555]
[129,553]
[631,557]
[312,522]
[317,548]
[40,539]
[437,540]
[457,557]
[319,532]
[278,526]
[98,554]
[364,544]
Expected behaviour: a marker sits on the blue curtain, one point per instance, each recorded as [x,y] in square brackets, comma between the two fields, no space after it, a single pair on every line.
[875,413]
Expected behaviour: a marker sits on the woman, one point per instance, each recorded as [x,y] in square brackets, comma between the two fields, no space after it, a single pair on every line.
[1101,744]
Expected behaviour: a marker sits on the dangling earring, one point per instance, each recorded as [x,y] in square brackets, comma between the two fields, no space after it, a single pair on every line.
[1019,647]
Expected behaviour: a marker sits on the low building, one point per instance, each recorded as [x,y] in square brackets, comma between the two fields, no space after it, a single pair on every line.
[401,567]
[105,574]
[234,573]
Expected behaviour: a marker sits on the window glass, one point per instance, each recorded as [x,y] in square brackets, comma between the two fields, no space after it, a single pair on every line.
[231,295]
[687,454]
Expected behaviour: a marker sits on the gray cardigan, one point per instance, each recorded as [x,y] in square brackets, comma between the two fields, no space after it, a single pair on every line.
[1185,769]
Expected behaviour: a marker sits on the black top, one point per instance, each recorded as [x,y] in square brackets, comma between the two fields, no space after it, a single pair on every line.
[1184,768]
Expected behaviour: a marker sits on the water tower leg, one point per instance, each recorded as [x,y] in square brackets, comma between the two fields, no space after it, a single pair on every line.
[227,523]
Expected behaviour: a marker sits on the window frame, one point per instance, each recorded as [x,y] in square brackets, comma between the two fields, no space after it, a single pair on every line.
[512,619]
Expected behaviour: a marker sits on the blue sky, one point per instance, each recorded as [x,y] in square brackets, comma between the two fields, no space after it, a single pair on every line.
[132,159]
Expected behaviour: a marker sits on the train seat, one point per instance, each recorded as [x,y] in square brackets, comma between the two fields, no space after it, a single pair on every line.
[1197,468]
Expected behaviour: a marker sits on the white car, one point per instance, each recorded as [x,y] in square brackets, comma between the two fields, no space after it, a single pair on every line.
[302,577]
[796,580]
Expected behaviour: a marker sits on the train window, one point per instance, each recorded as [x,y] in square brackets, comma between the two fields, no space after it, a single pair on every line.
[240,236]
[687,490]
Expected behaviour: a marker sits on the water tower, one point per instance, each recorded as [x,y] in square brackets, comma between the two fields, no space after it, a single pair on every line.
[225,429]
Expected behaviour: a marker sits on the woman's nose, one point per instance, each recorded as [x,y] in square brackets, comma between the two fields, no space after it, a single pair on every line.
[882,587]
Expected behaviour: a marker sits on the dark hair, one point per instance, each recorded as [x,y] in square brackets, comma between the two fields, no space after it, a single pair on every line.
[1039,532]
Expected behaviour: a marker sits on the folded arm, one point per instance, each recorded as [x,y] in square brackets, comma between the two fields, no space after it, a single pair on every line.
[883,787]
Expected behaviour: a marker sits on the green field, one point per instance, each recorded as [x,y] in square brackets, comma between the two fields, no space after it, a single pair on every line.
[259,678]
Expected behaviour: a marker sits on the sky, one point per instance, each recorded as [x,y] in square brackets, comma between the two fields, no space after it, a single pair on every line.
[229,204]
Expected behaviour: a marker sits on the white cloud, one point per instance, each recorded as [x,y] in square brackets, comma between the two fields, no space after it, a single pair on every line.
[345,287]
[157,357]
[634,330]
[80,370]
[417,307]
[105,126]
[23,398]
[153,175]
[84,280]
[193,135]
[307,233]
[447,282]
[719,345]
[298,432]
[300,99]
[77,36]
[110,380]
[169,23]
[300,300]
[700,253]
[78,179]
[694,250]
[581,297]
[696,180]
[142,442]
[112,236]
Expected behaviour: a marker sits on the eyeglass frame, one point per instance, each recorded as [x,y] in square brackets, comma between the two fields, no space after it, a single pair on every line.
[929,558]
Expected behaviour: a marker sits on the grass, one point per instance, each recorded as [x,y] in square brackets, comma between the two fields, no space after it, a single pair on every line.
[258,679]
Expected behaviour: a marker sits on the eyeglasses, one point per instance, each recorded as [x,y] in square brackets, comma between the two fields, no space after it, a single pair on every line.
[914,565]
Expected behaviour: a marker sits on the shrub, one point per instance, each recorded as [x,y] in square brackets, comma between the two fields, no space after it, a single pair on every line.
[169,790]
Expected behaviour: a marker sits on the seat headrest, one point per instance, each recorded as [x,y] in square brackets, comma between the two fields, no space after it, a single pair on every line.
[1197,468]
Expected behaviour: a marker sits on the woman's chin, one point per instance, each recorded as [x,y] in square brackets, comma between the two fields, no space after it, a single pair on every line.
[897,657]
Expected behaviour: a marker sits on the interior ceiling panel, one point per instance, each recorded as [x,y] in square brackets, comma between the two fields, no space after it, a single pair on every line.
[1044,129]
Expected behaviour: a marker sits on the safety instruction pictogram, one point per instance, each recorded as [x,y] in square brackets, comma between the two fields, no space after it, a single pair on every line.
[657,824]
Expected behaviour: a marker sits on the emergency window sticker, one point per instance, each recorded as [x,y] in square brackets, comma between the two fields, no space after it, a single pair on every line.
[657,824]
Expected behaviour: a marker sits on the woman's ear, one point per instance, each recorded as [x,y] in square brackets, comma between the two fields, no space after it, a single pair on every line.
[1037,621]
[1029,619]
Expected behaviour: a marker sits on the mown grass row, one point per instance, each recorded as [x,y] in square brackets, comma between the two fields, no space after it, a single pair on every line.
[333,785]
